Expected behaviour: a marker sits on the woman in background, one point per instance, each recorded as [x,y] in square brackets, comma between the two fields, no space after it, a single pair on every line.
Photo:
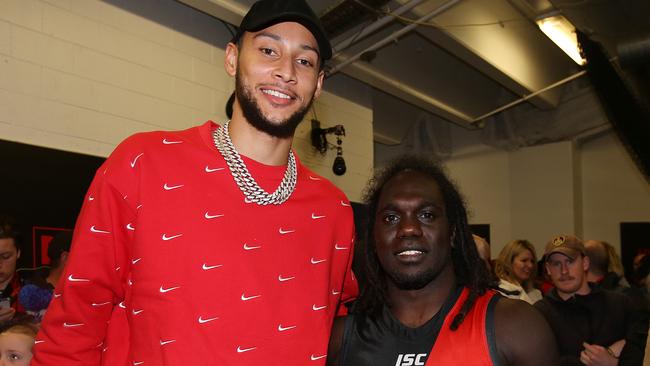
[516,267]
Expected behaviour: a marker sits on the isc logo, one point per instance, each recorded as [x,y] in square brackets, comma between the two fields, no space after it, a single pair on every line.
[410,359]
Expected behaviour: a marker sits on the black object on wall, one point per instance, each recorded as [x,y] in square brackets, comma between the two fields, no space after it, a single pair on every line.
[634,240]
[42,187]
[628,116]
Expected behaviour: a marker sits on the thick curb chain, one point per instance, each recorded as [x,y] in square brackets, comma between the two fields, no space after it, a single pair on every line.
[246,183]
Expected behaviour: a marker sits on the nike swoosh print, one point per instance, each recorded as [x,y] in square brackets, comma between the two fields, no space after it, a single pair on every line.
[72,325]
[240,350]
[282,329]
[129,226]
[165,237]
[316,308]
[203,321]
[206,267]
[283,279]
[345,204]
[122,305]
[315,358]
[247,247]
[337,247]
[314,178]
[246,298]
[134,261]
[210,170]
[100,304]
[136,363]
[95,230]
[316,261]
[163,290]
[167,142]
[162,343]
[136,312]
[315,217]
[169,188]
[282,231]
[334,292]
[38,341]
[56,295]
[208,216]
[91,198]
[71,278]
[135,160]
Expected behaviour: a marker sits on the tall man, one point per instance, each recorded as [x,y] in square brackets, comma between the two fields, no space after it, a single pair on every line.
[428,299]
[589,323]
[180,255]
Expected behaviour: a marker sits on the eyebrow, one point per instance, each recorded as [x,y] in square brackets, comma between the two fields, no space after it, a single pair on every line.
[276,37]
[393,207]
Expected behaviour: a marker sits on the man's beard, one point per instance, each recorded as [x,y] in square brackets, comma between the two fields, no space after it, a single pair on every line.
[253,113]
[412,282]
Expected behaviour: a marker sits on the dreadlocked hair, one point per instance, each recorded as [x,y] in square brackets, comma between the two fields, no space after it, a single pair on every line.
[470,270]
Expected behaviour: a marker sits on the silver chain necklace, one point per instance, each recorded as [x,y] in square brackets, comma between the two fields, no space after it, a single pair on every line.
[246,183]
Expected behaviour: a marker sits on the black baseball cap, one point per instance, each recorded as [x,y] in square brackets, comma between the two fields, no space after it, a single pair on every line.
[266,13]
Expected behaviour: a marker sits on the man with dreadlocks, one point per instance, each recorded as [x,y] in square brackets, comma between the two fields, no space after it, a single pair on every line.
[428,299]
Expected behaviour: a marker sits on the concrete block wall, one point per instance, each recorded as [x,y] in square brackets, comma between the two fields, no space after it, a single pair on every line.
[82,75]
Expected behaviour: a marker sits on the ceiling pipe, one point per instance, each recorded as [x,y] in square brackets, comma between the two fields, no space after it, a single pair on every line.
[374,26]
[478,119]
[412,95]
[394,36]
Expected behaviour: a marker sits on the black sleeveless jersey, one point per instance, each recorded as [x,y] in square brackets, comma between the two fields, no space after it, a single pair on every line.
[385,341]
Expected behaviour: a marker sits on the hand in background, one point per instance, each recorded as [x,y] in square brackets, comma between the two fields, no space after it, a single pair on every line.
[6,314]
[596,355]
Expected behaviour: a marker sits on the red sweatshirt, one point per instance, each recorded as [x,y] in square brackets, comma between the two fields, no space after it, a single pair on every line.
[170,266]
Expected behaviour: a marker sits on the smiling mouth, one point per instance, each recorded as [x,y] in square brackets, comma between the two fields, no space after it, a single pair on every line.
[410,252]
[410,256]
[277,94]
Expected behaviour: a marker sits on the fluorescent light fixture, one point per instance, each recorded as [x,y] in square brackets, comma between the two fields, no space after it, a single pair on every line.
[563,34]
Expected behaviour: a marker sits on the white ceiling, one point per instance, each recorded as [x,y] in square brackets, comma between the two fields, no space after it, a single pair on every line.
[472,57]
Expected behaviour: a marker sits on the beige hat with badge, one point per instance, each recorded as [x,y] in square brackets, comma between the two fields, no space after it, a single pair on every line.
[569,245]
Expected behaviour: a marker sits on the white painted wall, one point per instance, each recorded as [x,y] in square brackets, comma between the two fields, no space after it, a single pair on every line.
[83,75]
[534,193]
[613,189]
[542,193]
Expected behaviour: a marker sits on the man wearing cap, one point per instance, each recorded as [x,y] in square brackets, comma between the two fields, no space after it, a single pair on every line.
[589,323]
[214,245]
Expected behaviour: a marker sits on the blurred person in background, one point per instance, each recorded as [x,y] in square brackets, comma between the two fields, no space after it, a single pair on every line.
[590,323]
[10,283]
[605,266]
[516,267]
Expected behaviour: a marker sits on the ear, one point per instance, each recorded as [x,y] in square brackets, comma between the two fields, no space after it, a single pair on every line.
[548,271]
[17,253]
[585,263]
[64,257]
[232,57]
[319,83]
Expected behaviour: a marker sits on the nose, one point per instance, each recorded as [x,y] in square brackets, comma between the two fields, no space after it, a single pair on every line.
[409,226]
[285,70]
[564,268]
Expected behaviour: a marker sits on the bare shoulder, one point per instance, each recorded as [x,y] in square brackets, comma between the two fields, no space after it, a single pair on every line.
[523,337]
[336,341]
